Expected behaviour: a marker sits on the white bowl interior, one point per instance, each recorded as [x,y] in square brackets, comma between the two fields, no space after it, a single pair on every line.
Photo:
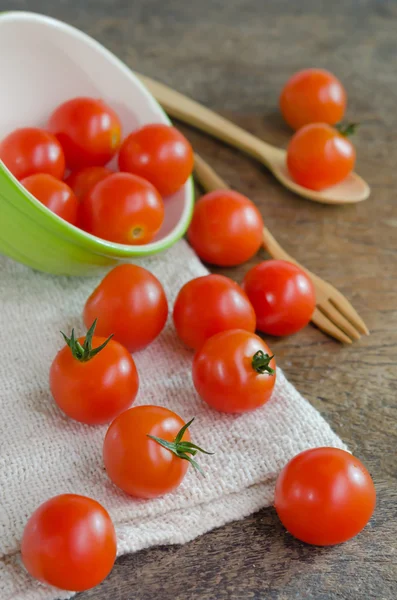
[44,62]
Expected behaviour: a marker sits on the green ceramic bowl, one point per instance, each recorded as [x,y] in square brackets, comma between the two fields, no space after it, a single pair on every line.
[56,62]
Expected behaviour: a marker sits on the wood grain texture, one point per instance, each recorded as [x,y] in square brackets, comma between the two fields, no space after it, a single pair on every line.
[234,56]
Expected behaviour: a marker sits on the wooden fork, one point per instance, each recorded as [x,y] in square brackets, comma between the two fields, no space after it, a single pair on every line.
[333,314]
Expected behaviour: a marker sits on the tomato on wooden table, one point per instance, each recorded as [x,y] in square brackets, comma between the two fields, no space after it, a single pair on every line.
[282,295]
[82,181]
[210,304]
[32,150]
[324,496]
[160,154]
[123,208]
[88,130]
[226,229]
[56,195]
[93,379]
[69,542]
[319,156]
[129,303]
[234,371]
[313,96]
[147,451]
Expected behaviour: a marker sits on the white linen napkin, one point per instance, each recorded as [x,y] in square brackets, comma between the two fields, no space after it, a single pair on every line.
[43,453]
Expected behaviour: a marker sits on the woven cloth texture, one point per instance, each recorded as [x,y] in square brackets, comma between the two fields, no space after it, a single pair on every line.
[43,453]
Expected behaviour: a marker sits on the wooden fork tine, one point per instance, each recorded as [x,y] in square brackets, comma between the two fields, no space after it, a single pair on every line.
[323,323]
[339,320]
[344,306]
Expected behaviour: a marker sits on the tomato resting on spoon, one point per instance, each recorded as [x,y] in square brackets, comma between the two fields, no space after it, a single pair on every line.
[319,156]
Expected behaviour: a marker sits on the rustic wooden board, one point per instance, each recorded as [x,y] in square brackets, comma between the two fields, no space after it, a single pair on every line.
[234,56]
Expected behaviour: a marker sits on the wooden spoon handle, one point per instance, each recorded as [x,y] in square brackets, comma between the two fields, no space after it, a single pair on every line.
[179,106]
[211,181]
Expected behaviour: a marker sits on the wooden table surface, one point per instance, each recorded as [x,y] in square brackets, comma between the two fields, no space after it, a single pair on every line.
[234,56]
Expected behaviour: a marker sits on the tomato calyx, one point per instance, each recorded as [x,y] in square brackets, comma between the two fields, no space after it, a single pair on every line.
[261,363]
[347,129]
[137,233]
[182,449]
[85,352]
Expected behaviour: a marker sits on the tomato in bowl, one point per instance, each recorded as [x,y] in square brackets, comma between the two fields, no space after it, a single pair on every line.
[67,64]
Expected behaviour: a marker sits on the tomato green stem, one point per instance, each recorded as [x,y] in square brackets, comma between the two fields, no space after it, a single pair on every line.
[182,449]
[347,129]
[85,352]
[261,363]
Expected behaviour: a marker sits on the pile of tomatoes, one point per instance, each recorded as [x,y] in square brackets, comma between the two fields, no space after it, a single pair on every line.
[81,137]
[320,155]
[323,496]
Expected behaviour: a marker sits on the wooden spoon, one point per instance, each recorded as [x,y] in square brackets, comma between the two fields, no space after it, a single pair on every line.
[352,189]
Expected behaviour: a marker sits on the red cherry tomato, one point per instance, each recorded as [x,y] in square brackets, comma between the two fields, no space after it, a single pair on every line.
[82,181]
[88,130]
[69,542]
[123,208]
[54,194]
[93,359]
[130,303]
[318,156]
[140,465]
[313,96]
[160,154]
[210,304]
[282,295]
[226,229]
[31,150]
[324,496]
[234,371]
